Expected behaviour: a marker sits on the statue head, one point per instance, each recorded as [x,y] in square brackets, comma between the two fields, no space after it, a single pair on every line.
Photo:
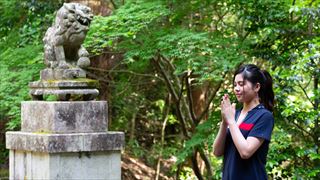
[73,22]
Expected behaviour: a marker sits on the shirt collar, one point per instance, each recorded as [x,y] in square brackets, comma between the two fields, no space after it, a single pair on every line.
[259,106]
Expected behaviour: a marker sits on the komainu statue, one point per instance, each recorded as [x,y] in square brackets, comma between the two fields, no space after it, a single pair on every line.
[63,40]
[65,57]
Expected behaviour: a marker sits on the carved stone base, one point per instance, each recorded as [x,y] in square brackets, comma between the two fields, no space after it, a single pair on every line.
[65,156]
[65,166]
[64,89]
[65,142]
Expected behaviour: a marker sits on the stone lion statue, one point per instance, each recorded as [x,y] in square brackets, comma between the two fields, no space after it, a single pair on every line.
[63,40]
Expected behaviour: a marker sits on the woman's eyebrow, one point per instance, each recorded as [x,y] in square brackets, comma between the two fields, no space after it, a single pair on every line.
[239,81]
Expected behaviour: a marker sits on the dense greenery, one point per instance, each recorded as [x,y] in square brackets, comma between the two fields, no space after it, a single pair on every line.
[170,50]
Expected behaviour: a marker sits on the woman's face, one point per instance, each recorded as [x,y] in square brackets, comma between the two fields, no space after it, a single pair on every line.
[244,89]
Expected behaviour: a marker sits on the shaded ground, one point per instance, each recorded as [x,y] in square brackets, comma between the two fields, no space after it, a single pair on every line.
[135,169]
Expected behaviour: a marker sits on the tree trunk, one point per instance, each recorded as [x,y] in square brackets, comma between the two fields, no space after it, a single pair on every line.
[132,126]
[199,98]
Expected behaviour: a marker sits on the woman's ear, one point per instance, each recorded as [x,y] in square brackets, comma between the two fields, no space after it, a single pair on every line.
[257,87]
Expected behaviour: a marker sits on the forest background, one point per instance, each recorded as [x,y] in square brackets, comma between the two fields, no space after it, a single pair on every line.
[163,66]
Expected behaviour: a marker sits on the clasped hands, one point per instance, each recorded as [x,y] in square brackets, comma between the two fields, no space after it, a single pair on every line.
[228,110]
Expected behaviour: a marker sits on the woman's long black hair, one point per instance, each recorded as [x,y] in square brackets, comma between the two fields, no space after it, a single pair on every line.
[254,74]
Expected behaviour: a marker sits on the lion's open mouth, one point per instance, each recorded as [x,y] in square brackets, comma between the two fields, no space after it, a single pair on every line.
[83,21]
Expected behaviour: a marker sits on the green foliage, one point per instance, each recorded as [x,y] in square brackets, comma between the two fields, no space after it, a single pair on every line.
[299,108]
[296,74]
[4,173]
[280,155]
[202,138]
[23,24]
[128,21]
[135,148]
[29,18]
[140,30]
[187,174]
[4,154]
[201,53]
[20,66]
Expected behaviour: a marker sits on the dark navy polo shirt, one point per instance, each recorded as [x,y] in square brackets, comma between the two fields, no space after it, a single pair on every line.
[258,123]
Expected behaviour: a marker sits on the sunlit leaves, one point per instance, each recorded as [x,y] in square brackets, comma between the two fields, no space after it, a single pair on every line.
[132,18]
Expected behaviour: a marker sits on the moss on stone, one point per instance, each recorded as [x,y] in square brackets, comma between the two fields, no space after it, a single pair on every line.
[42,132]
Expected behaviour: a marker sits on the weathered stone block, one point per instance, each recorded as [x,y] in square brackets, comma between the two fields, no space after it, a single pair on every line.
[64,117]
[82,165]
[57,143]
[57,74]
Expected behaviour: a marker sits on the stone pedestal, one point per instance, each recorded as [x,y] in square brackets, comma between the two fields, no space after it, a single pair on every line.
[64,89]
[65,140]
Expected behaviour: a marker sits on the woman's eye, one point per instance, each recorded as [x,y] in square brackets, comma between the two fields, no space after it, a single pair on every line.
[238,84]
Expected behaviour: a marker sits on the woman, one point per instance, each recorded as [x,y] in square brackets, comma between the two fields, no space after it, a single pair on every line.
[244,135]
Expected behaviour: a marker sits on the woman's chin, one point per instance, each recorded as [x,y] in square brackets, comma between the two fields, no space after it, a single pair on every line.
[240,100]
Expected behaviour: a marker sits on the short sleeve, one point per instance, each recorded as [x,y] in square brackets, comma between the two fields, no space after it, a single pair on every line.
[263,127]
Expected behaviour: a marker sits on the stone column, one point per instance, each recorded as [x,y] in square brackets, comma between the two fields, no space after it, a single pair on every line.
[65,140]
